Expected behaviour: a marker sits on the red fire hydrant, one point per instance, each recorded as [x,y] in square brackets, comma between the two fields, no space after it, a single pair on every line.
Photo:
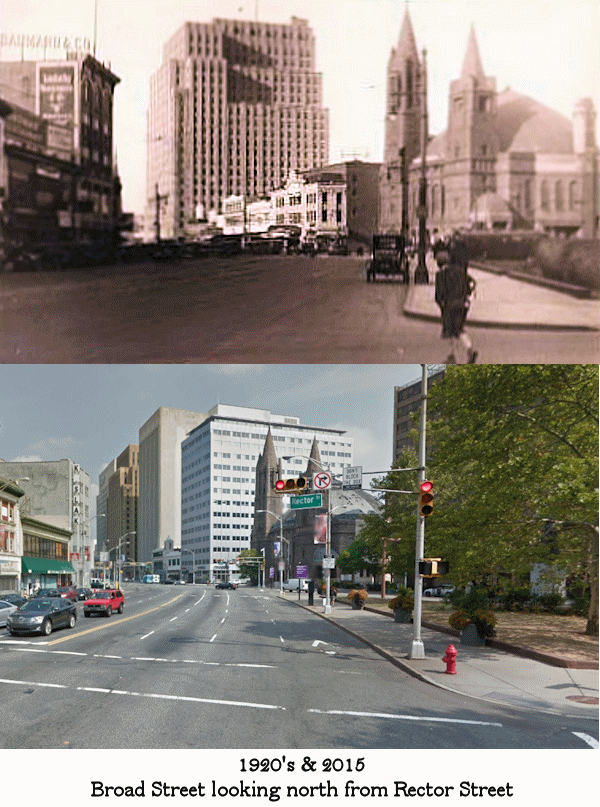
[450,659]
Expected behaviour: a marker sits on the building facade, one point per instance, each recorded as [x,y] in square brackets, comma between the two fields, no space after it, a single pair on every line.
[318,208]
[11,535]
[46,556]
[407,401]
[234,107]
[218,485]
[159,507]
[122,506]
[166,562]
[58,493]
[505,161]
[67,178]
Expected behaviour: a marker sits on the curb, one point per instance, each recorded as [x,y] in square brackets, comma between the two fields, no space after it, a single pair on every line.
[398,662]
[516,650]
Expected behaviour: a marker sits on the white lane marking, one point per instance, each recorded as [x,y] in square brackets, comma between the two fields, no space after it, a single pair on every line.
[32,683]
[592,741]
[141,658]
[186,610]
[223,620]
[317,642]
[146,636]
[404,717]
[173,619]
[213,638]
[64,652]
[101,655]
[282,639]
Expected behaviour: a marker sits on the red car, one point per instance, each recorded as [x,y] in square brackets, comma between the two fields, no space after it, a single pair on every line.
[68,593]
[104,602]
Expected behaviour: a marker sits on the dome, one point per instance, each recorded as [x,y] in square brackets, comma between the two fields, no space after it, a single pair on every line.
[526,125]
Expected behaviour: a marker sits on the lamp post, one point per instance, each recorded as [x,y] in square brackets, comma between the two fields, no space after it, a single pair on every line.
[118,547]
[328,531]
[281,539]
[417,647]
[81,561]
[192,552]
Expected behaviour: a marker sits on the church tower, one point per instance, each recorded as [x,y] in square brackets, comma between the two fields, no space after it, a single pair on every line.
[471,145]
[402,130]
[268,470]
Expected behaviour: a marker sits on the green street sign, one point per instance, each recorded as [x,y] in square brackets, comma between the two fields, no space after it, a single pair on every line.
[307,500]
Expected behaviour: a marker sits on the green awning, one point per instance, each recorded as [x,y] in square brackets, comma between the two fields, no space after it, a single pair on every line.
[45,566]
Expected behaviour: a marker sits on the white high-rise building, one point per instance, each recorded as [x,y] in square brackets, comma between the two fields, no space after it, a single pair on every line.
[218,471]
[235,106]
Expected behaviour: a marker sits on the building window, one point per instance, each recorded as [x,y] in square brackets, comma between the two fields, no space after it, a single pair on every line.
[544,195]
[572,194]
[558,196]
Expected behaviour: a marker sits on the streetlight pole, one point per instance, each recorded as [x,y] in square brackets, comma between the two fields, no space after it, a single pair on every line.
[418,649]
[81,561]
[117,562]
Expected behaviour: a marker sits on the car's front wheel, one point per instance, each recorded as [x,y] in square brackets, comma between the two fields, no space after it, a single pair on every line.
[85,613]
[109,611]
[72,620]
[120,608]
[47,627]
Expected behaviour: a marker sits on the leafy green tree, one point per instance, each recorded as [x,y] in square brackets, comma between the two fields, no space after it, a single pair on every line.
[358,556]
[513,453]
[250,569]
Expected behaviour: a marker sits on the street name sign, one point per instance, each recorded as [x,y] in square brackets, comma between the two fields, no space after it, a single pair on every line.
[352,479]
[306,500]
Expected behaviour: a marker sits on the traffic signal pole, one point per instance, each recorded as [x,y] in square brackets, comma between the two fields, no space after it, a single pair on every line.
[417,649]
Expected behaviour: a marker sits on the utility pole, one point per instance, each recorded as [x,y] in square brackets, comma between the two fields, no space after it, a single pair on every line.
[158,199]
[417,649]
[421,273]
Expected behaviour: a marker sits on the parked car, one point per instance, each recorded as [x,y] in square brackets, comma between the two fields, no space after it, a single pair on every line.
[42,615]
[47,592]
[104,602]
[6,608]
[224,584]
[84,593]
[68,593]
[180,582]
[388,259]
[168,582]
[13,599]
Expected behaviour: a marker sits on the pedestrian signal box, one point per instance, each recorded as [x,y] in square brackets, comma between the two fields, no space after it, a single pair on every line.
[433,567]
[291,485]
[426,499]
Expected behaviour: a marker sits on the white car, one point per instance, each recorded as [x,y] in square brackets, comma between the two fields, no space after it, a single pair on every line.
[6,608]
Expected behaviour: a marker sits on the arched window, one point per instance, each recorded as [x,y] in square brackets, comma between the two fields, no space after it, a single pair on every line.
[409,83]
[544,195]
[572,194]
[558,196]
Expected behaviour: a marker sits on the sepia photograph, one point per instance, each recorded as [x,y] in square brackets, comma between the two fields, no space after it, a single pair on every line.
[343,181]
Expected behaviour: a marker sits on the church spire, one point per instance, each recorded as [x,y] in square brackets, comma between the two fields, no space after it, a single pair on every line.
[407,45]
[472,67]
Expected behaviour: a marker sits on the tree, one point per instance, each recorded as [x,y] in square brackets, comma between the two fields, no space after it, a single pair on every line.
[356,557]
[250,569]
[513,451]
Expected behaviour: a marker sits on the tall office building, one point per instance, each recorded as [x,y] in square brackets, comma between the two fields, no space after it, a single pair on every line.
[407,401]
[234,107]
[122,505]
[159,506]
[219,466]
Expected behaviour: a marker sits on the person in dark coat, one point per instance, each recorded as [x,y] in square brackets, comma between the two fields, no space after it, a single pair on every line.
[453,288]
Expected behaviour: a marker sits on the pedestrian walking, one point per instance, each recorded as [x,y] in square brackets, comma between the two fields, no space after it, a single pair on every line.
[453,288]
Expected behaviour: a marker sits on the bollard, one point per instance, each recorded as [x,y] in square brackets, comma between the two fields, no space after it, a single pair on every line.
[450,659]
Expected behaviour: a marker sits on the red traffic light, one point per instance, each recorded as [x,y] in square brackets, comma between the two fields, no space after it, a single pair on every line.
[290,485]
[426,499]
[280,484]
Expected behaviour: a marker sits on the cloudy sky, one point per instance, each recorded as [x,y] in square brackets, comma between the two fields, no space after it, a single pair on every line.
[547,49]
[90,413]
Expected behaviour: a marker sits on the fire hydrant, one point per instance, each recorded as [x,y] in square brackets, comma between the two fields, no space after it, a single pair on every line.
[450,659]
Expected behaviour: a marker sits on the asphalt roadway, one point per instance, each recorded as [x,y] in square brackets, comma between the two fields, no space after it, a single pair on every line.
[289,309]
[192,667]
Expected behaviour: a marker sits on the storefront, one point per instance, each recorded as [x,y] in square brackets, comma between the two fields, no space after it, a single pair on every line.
[45,562]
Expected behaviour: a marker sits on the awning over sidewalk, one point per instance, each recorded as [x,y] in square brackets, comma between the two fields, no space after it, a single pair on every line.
[45,566]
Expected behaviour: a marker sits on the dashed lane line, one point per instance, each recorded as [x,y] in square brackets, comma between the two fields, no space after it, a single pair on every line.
[155,695]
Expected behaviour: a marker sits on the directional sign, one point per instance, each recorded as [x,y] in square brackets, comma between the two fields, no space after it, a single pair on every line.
[301,571]
[321,480]
[306,500]
[352,478]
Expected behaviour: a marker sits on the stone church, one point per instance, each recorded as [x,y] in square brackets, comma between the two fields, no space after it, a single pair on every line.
[505,161]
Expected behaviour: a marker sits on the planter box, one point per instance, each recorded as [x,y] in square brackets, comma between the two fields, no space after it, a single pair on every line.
[470,636]
[358,604]
[400,615]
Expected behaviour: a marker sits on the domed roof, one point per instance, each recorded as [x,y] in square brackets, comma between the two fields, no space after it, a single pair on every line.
[526,125]
[522,124]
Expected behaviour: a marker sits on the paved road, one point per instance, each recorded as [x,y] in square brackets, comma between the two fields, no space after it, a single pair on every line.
[240,310]
[198,668]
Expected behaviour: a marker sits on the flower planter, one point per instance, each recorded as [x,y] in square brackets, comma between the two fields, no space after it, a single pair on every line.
[471,636]
[401,615]
[358,604]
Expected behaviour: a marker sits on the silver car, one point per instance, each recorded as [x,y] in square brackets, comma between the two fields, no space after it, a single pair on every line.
[6,608]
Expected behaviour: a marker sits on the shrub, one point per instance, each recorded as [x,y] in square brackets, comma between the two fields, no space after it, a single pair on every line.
[550,601]
[485,621]
[459,619]
[514,599]
[403,600]
[358,593]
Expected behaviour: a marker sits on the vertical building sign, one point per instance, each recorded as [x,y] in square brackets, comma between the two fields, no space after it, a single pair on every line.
[58,102]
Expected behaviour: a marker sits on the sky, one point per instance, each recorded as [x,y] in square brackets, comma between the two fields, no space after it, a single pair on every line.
[90,413]
[547,49]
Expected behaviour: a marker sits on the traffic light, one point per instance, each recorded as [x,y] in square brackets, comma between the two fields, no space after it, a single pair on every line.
[426,499]
[291,485]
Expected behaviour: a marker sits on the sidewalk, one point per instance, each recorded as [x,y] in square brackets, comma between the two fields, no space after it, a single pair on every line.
[488,673]
[501,301]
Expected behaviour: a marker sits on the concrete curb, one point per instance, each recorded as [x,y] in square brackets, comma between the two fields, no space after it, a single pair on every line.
[400,664]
